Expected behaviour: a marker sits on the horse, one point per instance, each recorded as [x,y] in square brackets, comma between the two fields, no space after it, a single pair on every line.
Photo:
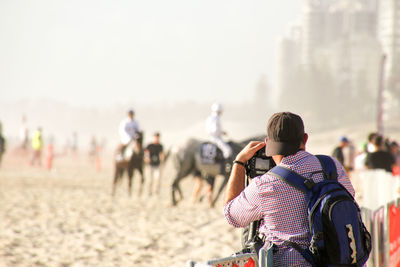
[187,161]
[133,159]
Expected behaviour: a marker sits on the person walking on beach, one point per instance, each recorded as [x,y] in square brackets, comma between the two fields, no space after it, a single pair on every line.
[37,146]
[282,208]
[338,151]
[154,156]
[2,143]
[74,143]
[24,134]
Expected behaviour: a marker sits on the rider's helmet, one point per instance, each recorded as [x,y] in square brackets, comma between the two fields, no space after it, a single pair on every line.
[216,107]
[131,113]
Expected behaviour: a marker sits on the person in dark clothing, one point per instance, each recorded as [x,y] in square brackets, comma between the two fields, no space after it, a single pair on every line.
[380,159]
[154,156]
[2,143]
[338,151]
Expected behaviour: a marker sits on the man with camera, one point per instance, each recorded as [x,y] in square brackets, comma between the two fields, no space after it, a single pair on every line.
[281,207]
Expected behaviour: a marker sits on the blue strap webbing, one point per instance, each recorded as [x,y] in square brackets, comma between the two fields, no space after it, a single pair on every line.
[306,253]
[328,166]
[290,177]
[299,182]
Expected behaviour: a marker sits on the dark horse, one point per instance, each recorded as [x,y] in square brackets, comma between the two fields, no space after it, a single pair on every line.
[133,159]
[187,161]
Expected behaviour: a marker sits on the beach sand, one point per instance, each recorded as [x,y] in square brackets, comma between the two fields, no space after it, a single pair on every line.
[67,217]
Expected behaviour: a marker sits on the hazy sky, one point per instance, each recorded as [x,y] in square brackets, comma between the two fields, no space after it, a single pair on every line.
[98,52]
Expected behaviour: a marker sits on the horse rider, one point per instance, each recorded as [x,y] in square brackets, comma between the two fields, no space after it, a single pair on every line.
[215,131]
[128,131]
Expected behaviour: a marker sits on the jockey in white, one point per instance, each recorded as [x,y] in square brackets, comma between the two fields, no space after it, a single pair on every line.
[214,129]
[128,128]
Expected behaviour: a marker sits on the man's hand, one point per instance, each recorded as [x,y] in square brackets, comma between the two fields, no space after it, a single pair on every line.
[236,180]
[249,151]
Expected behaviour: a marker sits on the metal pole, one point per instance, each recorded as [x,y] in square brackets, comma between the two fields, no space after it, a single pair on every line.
[380,96]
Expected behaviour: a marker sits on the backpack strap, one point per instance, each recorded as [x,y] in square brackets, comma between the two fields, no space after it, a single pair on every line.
[301,183]
[306,253]
[328,166]
[292,178]
[304,185]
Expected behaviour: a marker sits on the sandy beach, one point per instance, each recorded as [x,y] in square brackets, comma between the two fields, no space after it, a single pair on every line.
[67,217]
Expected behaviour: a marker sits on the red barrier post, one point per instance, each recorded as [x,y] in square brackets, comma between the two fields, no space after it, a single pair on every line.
[394,234]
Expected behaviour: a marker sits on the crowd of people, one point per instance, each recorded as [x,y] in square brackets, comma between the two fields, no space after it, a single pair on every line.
[377,152]
[38,149]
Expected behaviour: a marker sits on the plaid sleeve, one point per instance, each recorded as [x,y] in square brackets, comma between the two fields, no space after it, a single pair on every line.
[245,208]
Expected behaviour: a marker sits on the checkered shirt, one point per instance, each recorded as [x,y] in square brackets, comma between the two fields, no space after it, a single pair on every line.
[281,206]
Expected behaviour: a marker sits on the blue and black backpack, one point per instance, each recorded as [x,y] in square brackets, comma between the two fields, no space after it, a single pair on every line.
[338,235]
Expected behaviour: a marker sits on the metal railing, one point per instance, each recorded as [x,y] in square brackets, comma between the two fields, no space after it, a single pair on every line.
[378,193]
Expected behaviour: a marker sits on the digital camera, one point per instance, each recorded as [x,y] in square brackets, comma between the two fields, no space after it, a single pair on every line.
[259,164]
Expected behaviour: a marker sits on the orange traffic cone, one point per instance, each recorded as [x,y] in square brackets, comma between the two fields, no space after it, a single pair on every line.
[49,158]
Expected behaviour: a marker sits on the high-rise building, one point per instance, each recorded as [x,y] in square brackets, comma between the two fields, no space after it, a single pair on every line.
[353,47]
[389,30]
[353,17]
[327,21]
[336,55]
[389,37]
[312,30]
[287,63]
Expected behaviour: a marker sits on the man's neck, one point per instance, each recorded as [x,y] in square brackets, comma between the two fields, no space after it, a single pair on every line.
[277,159]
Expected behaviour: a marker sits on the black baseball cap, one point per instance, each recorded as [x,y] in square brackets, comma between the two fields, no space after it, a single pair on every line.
[285,132]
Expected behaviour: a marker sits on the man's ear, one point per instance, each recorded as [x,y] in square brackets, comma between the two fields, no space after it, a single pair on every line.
[305,138]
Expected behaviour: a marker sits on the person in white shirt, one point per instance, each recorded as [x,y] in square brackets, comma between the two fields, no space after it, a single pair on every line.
[128,130]
[214,129]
